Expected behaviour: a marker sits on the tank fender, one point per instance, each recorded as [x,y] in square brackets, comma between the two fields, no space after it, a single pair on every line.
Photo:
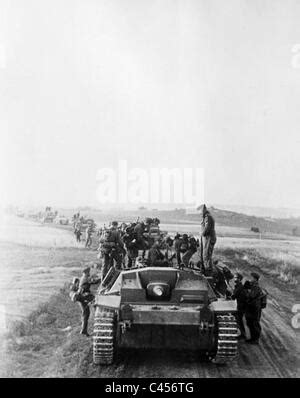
[223,306]
[108,301]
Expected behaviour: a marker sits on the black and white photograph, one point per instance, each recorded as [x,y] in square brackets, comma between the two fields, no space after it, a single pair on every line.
[150,191]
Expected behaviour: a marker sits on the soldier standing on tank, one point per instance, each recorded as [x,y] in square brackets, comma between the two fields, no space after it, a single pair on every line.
[240,295]
[113,248]
[85,298]
[208,236]
[253,308]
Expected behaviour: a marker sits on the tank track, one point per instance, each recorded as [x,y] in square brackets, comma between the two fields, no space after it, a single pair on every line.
[227,342]
[104,337]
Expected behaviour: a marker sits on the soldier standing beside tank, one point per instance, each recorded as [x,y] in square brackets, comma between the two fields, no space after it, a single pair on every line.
[253,308]
[85,298]
[240,295]
[208,238]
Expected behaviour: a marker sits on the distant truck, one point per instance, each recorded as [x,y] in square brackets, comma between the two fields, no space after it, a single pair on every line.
[48,216]
[61,220]
[255,229]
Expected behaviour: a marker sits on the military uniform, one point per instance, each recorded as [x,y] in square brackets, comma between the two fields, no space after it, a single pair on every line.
[240,295]
[177,244]
[113,248]
[77,233]
[88,241]
[138,232]
[253,310]
[84,300]
[208,237]
[132,254]
[156,258]
[192,248]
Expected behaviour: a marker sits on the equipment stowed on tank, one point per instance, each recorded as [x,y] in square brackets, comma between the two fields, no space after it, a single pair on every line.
[162,307]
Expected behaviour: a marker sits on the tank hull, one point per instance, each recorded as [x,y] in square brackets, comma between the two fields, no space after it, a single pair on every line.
[166,336]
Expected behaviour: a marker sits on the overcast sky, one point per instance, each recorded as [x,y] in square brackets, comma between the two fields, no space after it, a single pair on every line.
[187,83]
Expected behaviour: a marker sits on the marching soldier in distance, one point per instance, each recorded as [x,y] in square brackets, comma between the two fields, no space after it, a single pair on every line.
[208,237]
[88,233]
[77,233]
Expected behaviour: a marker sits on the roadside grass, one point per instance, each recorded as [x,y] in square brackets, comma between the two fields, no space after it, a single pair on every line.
[282,266]
[47,343]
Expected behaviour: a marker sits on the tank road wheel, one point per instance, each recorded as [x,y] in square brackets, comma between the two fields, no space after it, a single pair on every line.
[104,337]
[226,339]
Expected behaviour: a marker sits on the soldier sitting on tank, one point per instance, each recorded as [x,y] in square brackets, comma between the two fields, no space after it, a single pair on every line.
[85,298]
[192,248]
[156,258]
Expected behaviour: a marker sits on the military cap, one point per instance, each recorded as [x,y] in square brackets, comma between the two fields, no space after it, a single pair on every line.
[114,223]
[255,275]
[86,270]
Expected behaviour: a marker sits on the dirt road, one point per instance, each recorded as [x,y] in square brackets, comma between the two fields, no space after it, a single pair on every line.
[65,354]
